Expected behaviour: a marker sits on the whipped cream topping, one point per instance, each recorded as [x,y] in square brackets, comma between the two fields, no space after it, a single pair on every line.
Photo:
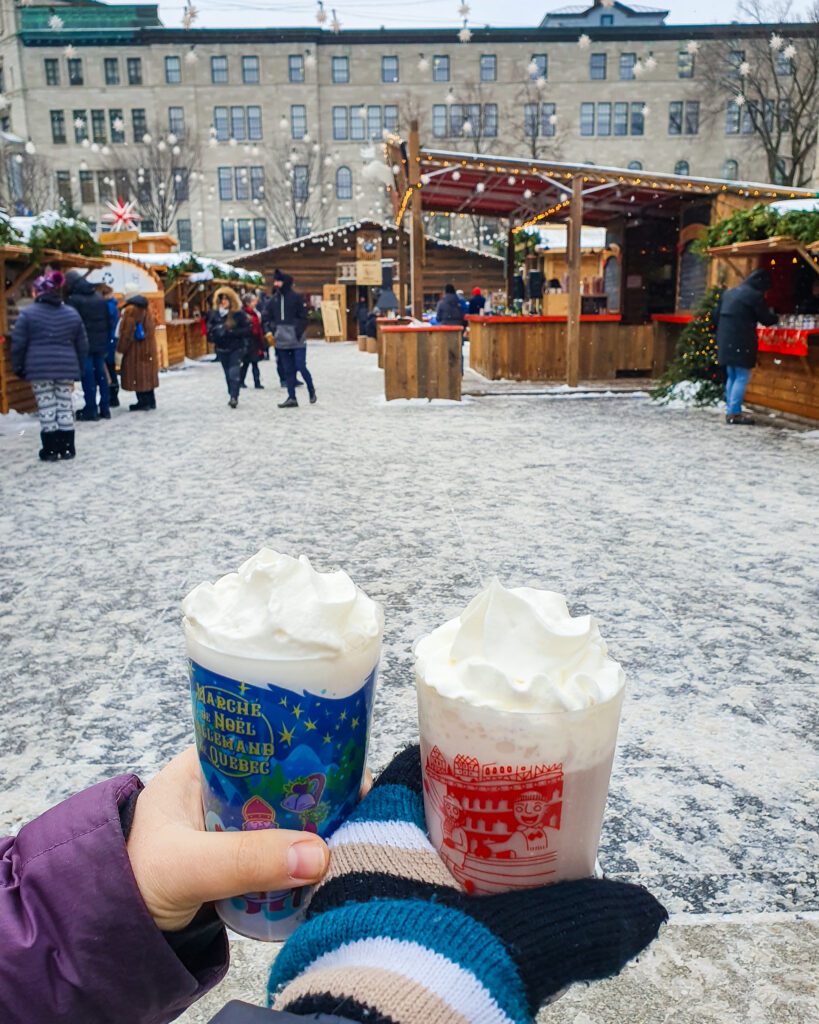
[280,608]
[519,650]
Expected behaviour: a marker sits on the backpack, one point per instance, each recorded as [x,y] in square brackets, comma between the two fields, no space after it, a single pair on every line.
[139,331]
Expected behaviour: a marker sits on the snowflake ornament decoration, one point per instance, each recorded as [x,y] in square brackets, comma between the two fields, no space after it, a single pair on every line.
[191,57]
[607,3]
[776,41]
[638,69]
[449,98]
[646,110]
[55,23]
[651,62]
[532,69]
[552,118]
[744,69]
[309,59]
[423,63]
[692,47]
[189,15]
[321,14]
[541,83]
[463,10]
[335,24]
[480,187]
[789,52]
[79,123]
[739,100]
[123,215]
[69,51]
[465,34]
[117,124]
[30,148]
[584,42]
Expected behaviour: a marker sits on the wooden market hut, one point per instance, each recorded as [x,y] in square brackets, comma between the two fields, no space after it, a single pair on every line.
[18,269]
[335,256]
[653,218]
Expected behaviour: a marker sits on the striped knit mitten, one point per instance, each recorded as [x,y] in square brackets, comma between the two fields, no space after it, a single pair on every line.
[392,939]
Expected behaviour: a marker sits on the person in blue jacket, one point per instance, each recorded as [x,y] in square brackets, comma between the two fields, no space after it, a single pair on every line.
[93,309]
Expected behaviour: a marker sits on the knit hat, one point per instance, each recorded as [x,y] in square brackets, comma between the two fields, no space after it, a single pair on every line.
[391,936]
[476,291]
[49,284]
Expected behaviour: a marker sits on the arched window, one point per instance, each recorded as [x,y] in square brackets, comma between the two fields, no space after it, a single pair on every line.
[730,170]
[344,183]
[681,167]
[635,165]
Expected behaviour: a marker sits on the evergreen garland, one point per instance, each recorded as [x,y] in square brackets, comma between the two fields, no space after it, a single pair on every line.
[64,234]
[695,359]
[759,222]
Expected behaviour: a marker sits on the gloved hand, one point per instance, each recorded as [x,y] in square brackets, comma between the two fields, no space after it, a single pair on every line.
[391,936]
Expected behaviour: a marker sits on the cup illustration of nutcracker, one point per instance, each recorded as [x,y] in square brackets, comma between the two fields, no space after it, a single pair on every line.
[258,814]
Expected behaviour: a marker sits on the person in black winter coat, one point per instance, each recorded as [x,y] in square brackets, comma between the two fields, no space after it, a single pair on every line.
[737,313]
[287,318]
[96,316]
[477,302]
[48,349]
[449,310]
[229,332]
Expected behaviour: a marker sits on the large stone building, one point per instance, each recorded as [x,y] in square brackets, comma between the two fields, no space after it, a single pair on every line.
[258,134]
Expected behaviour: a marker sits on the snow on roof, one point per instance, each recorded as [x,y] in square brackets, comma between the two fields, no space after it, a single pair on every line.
[796,206]
[175,259]
[48,218]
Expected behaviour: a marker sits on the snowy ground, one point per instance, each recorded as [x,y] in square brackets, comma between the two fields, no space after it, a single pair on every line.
[693,543]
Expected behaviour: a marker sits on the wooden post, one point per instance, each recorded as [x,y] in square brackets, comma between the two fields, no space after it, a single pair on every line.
[510,265]
[575,256]
[416,224]
[403,270]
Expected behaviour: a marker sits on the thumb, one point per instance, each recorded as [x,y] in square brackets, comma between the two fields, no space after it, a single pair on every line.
[225,864]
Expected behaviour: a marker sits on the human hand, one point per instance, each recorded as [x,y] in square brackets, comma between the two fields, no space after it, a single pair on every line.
[178,866]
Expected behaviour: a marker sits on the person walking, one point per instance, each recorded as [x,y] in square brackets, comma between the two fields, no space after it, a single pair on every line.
[735,318]
[256,347]
[107,292]
[229,332]
[448,310]
[48,349]
[477,302]
[93,309]
[140,359]
[288,320]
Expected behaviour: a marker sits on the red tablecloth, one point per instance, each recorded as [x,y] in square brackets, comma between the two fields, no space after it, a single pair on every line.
[788,341]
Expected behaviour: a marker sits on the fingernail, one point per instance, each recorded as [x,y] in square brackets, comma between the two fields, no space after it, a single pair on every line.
[305,861]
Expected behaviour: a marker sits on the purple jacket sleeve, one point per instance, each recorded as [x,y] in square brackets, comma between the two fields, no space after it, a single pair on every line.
[76,940]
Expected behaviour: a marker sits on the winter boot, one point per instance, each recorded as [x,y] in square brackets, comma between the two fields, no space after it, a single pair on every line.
[49,440]
[313,398]
[113,396]
[289,403]
[66,444]
[87,415]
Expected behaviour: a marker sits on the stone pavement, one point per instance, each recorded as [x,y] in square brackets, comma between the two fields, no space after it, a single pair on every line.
[694,544]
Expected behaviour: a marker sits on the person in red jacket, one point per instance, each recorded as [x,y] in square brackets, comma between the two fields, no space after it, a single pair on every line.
[257,346]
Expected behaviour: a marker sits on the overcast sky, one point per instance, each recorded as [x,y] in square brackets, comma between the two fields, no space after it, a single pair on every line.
[412,13]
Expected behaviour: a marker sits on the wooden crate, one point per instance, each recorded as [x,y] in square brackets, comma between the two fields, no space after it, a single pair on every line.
[787,383]
[372,345]
[362,343]
[196,343]
[422,362]
[175,341]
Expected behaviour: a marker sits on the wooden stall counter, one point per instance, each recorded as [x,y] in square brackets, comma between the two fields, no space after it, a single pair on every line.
[788,383]
[533,348]
[381,322]
[422,361]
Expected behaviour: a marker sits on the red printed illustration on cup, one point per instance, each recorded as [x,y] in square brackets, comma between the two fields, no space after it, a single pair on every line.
[496,819]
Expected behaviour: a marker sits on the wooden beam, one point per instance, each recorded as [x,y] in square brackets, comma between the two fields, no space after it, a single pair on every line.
[417,240]
[574,306]
[402,290]
[510,265]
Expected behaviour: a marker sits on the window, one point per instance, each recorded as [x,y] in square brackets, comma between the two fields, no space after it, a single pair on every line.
[730,170]
[52,71]
[374,122]
[98,126]
[225,180]
[358,123]
[344,183]
[111,70]
[597,67]
[587,119]
[105,188]
[684,118]
[58,126]
[259,233]
[785,115]
[735,58]
[134,66]
[302,226]
[621,118]
[489,67]
[732,118]
[548,119]
[341,221]
[257,182]
[341,128]
[139,123]
[80,121]
[75,76]
[783,64]
[440,68]
[780,174]
[604,119]
[117,126]
[391,117]
[675,116]
[181,184]
[245,236]
[541,66]
[606,19]
[295,68]
[183,234]
[635,165]
[692,117]
[148,225]
[439,120]
[254,123]
[219,70]
[340,70]
[298,121]
[173,70]
[638,118]
[389,69]
[238,123]
[628,62]
[242,184]
[530,120]
[122,185]
[681,167]
[176,121]
[143,191]
[301,182]
[87,194]
[490,120]
[685,64]
[64,189]
[229,234]
[250,70]
[221,122]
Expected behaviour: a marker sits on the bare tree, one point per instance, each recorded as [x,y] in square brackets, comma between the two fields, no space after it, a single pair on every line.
[27,183]
[292,195]
[157,172]
[535,132]
[766,85]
